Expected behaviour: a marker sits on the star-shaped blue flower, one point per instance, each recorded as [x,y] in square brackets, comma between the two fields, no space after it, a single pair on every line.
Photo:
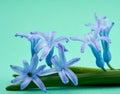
[48,44]
[61,67]
[29,73]
[33,38]
[92,40]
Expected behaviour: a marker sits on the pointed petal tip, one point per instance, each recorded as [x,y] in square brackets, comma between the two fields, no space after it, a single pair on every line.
[12,81]
[76,83]
[113,23]
[67,40]
[65,82]
[78,59]
[44,89]
[82,50]
[66,50]
[105,17]
[71,38]
[25,62]
[17,34]
[12,66]
[21,88]
[109,41]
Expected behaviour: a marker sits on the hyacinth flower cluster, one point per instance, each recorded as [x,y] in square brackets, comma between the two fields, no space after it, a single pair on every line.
[31,72]
[103,27]
[43,46]
[99,33]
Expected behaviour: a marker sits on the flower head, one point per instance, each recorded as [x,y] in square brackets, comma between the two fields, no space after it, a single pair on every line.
[29,73]
[103,27]
[61,67]
[32,37]
[92,40]
[48,43]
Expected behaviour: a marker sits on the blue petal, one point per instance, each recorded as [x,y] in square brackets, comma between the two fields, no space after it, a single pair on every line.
[49,56]
[33,38]
[56,62]
[61,39]
[34,63]
[34,42]
[100,62]
[45,53]
[23,35]
[72,61]
[25,83]
[107,56]
[17,69]
[40,46]
[18,79]
[95,51]
[39,83]
[63,77]
[97,45]
[66,50]
[83,47]
[92,26]
[97,18]
[98,56]
[106,53]
[112,24]
[61,53]
[47,72]
[30,36]
[103,38]
[72,76]
[40,69]
[51,36]
[26,66]
[78,39]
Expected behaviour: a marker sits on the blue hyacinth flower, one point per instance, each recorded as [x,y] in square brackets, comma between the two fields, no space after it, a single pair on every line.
[61,67]
[92,40]
[103,27]
[32,37]
[29,73]
[48,44]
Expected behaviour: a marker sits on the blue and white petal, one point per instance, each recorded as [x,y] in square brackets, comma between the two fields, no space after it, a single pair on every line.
[72,76]
[72,61]
[63,76]
[34,63]
[17,69]
[18,79]
[25,83]
[39,83]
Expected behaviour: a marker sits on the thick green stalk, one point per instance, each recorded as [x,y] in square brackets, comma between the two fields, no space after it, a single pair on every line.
[79,70]
[86,77]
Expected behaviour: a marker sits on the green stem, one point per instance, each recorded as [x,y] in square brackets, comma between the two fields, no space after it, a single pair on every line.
[104,69]
[86,77]
[110,66]
[79,70]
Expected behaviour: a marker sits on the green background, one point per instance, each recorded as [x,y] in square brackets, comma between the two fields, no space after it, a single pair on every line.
[67,18]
